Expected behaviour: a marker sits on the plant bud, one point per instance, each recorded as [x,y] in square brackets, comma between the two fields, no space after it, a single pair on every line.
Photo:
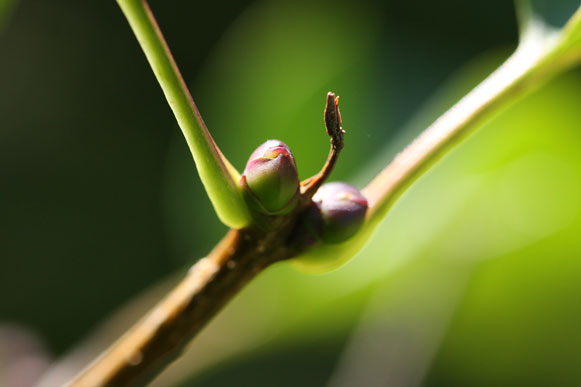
[271,177]
[342,208]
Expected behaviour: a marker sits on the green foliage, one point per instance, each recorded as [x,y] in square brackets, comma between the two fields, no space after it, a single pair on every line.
[6,8]
[570,42]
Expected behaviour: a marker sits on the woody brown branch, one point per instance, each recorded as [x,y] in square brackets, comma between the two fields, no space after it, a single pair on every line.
[160,337]
[156,340]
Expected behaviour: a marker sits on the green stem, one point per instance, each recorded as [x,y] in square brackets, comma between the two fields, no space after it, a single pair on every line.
[539,57]
[219,177]
[542,54]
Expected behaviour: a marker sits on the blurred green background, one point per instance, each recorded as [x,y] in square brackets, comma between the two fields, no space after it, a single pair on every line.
[473,279]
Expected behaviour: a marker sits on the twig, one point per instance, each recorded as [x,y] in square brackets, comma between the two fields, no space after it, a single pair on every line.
[219,177]
[524,70]
[336,132]
[156,340]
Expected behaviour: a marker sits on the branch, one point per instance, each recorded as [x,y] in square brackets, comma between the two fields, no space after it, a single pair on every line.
[541,54]
[336,132]
[160,337]
[219,177]
[539,57]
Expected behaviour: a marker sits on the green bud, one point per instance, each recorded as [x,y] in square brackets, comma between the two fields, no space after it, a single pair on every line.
[342,210]
[271,179]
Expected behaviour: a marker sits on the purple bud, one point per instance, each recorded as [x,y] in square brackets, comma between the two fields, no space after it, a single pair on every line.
[342,208]
[271,177]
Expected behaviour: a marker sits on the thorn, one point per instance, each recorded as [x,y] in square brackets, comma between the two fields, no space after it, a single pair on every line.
[336,132]
[333,121]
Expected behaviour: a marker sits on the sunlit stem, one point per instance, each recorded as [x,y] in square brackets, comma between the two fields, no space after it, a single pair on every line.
[541,54]
[219,177]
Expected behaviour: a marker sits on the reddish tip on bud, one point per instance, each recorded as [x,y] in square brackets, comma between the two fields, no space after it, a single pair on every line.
[342,208]
[271,177]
